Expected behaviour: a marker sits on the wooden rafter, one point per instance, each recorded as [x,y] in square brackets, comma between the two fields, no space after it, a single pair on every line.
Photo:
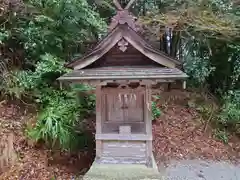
[130,4]
[117,4]
[119,7]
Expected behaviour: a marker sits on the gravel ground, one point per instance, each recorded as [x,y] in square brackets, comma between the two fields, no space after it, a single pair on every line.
[201,170]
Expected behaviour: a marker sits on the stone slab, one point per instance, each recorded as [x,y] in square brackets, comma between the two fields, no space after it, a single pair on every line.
[121,172]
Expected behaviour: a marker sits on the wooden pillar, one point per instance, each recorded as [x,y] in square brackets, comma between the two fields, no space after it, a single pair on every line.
[98,120]
[148,121]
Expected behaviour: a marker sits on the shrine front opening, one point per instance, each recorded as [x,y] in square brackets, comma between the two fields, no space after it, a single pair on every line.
[124,133]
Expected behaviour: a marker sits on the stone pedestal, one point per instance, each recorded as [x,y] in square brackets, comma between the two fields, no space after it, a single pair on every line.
[121,172]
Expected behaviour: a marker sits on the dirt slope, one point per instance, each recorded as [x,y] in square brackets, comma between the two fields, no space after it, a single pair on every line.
[178,134]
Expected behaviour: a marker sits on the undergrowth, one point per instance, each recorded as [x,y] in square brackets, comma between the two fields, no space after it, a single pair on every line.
[59,121]
[223,117]
[36,39]
[222,135]
[230,114]
[156,112]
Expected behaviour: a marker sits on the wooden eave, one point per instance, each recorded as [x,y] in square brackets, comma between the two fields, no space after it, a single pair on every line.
[120,32]
[130,73]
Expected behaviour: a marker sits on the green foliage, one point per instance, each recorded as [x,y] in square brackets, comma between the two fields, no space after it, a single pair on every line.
[204,109]
[225,59]
[60,118]
[10,85]
[209,39]
[222,135]
[156,112]
[60,110]
[42,36]
[196,62]
[56,122]
[60,28]
[209,46]
[230,114]
[4,36]
[87,101]
[197,68]
[18,84]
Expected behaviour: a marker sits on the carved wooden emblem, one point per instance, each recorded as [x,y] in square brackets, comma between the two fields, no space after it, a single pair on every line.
[123,45]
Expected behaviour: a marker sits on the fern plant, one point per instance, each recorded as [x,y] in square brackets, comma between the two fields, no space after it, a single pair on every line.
[56,123]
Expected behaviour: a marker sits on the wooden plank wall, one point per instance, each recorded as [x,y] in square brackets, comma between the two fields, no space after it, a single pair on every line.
[131,57]
[124,152]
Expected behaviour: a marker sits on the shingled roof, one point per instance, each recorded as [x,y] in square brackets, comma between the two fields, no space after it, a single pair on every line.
[123,29]
[118,73]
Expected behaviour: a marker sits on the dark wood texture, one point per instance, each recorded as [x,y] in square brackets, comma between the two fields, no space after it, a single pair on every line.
[123,32]
[123,105]
[131,57]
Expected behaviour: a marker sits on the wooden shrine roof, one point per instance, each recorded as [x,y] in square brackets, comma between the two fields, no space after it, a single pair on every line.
[127,33]
[121,73]
[123,36]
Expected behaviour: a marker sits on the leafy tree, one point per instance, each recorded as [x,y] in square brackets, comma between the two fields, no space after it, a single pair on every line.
[42,36]
[205,35]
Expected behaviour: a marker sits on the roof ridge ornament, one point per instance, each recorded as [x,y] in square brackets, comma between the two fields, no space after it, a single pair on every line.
[119,7]
[123,16]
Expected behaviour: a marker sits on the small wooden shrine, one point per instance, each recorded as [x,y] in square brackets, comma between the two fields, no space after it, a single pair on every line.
[123,67]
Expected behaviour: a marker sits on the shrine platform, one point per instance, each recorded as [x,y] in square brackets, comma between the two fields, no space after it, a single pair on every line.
[121,172]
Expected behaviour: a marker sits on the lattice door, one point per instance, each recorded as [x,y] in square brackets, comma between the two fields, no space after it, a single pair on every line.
[124,106]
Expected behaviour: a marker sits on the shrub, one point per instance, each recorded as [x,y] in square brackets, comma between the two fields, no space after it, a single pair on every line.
[230,114]
[42,37]
[18,84]
[196,63]
[87,101]
[11,84]
[58,122]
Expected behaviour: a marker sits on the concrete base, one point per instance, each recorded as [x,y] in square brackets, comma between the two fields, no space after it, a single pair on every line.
[122,172]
